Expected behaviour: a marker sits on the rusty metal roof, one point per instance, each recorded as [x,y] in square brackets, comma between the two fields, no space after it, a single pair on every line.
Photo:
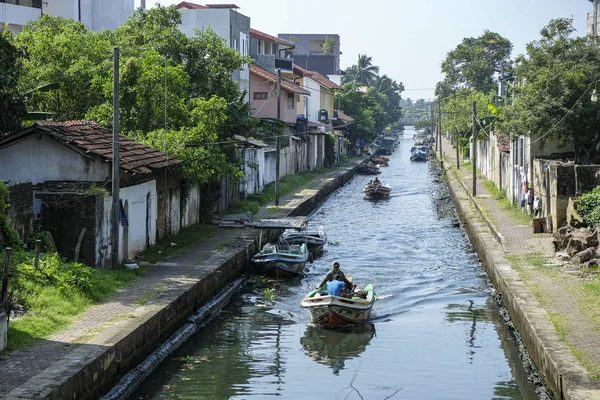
[271,77]
[87,137]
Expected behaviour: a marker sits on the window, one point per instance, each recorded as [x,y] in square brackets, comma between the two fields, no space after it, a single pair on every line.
[291,99]
[261,95]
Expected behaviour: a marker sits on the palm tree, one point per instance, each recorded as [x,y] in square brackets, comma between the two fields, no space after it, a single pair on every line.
[384,84]
[366,71]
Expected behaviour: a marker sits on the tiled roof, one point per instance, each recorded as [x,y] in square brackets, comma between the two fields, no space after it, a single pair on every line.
[271,77]
[344,117]
[188,5]
[301,71]
[503,142]
[231,6]
[88,136]
[265,36]
[324,81]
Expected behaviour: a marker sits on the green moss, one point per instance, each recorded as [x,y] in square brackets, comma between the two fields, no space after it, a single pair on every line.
[187,237]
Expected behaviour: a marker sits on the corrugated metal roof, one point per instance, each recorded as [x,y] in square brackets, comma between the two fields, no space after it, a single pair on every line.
[271,77]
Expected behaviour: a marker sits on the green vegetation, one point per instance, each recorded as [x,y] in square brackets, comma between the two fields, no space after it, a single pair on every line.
[269,294]
[187,237]
[588,205]
[12,103]
[55,294]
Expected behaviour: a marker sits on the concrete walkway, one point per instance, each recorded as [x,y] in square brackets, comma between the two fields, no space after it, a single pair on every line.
[537,296]
[88,357]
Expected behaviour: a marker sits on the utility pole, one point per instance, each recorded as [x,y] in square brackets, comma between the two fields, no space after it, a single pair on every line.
[440,124]
[457,150]
[114,220]
[278,146]
[474,160]
[432,123]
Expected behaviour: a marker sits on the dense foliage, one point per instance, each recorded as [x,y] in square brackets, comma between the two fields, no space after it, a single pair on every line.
[475,63]
[167,80]
[12,103]
[555,79]
[588,205]
[8,236]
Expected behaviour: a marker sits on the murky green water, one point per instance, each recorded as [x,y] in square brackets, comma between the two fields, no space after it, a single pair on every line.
[435,331]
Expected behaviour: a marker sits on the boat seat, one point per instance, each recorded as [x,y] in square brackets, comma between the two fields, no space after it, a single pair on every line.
[270,249]
[295,249]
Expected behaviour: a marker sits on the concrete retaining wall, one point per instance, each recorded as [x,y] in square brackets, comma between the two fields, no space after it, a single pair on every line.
[557,365]
[92,380]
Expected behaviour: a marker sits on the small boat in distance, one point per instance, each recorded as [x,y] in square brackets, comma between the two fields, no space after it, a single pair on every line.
[282,259]
[315,240]
[419,153]
[334,311]
[376,190]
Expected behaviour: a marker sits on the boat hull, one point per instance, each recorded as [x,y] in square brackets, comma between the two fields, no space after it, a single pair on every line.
[333,311]
[280,269]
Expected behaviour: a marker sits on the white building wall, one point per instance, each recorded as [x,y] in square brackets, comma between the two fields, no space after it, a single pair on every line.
[97,15]
[217,19]
[17,16]
[46,160]
[191,215]
[314,100]
[136,198]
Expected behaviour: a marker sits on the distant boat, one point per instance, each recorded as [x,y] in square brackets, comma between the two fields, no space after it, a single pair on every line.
[419,153]
[376,190]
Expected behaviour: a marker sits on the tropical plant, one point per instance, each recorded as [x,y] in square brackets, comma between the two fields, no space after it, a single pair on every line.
[329,45]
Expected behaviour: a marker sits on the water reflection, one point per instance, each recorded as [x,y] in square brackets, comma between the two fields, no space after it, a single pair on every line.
[334,347]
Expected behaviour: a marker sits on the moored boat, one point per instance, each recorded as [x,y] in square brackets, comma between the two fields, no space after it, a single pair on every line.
[282,259]
[315,240]
[334,311]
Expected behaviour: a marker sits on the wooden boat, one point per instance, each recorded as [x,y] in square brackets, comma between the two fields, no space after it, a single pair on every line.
[377,190]
[315,240]
[282,259]
[381,161]
[333,311]
[419,153]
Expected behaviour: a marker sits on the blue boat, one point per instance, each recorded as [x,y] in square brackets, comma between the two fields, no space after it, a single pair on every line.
[419,153]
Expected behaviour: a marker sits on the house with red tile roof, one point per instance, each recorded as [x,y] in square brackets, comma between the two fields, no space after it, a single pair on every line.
[68,168]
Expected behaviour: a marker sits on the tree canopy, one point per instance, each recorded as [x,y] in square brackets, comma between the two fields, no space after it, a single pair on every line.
[173,90]
[474,63]
[555,79]
[12,103]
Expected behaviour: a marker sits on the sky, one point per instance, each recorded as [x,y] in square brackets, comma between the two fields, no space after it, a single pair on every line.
[408,39]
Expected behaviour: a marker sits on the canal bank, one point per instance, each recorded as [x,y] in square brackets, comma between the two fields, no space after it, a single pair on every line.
[497,238]
[112,338]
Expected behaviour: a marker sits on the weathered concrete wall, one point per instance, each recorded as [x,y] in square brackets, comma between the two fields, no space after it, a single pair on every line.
[20,212]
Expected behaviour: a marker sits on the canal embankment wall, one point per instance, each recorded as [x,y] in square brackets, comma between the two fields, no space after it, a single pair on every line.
[95,367]
[561,371]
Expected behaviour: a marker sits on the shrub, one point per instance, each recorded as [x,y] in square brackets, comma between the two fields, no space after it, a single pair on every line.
[588,205]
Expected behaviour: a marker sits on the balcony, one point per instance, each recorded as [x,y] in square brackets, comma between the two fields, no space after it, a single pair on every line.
[272,63]
[18,12]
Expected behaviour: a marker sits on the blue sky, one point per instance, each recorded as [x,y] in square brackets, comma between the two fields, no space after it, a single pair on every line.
[408,39]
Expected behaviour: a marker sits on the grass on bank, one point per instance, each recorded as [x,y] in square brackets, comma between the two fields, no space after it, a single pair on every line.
[55,294]
[287,185]
[187,237]
[584,292]
[500,195]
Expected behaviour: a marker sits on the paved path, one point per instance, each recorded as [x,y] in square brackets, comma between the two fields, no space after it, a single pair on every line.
[554,285]
[28,373]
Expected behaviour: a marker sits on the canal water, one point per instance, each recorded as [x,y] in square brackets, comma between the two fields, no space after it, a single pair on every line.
[435,333]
